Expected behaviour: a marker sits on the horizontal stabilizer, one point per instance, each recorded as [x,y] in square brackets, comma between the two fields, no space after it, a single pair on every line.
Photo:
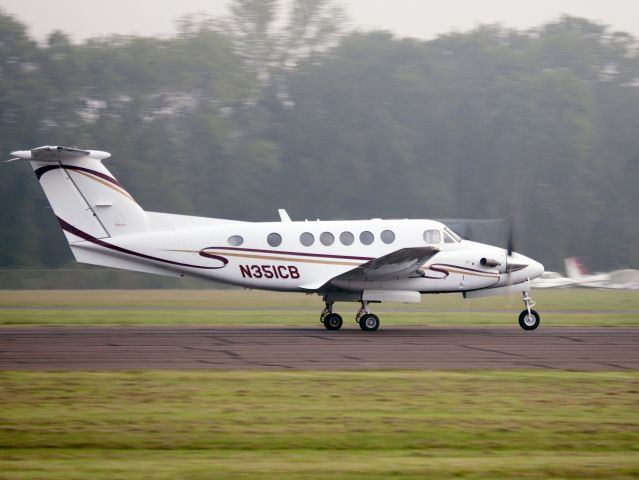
[50,153]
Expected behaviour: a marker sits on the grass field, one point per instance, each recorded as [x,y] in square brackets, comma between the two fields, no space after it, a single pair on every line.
[368,425]
[294,425]
[240,307]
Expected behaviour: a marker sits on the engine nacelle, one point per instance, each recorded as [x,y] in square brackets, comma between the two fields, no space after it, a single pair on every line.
[489,262]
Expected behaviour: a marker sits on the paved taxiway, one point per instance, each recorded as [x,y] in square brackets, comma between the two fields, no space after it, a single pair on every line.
[233,348]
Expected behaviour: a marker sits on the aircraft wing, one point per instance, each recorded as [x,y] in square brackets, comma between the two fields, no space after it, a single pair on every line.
[398,264]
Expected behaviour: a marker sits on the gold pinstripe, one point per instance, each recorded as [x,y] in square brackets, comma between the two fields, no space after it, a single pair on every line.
[322,262]
[472,274]
[106,184]
[264,257]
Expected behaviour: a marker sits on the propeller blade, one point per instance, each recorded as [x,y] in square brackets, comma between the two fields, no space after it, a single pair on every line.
[510,246]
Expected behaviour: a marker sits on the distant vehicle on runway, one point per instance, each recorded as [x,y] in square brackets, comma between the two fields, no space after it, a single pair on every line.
[365,261]
[579,277]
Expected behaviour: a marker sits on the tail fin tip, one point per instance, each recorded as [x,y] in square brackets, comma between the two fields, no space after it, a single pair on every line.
[54,153]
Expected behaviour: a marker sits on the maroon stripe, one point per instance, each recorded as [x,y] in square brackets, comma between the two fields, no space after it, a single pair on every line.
[42,170]
[289,253]
[90,238]
[465,268]
[439,270]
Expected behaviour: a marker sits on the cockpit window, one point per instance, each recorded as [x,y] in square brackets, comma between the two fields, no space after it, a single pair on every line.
[448,238]
[455,237]
[432,237]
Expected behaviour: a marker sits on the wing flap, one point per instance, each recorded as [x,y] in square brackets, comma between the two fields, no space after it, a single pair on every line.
[397,264]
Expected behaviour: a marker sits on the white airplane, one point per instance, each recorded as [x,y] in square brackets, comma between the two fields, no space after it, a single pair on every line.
[579,277]
[365,261]
[577,272]
[626,279]
[553,280]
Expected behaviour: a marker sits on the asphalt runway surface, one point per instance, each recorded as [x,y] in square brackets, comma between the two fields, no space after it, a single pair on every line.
[313,348]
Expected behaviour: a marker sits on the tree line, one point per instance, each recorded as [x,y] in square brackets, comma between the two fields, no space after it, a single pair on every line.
[237,117]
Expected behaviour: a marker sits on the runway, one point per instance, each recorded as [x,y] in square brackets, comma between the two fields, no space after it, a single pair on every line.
[313,348]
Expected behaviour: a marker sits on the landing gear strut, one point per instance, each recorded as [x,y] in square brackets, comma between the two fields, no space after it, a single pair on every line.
[331,321]
[529,319]
[368,322]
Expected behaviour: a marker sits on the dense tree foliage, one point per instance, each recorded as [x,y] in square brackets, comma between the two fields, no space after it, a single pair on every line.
[237,118]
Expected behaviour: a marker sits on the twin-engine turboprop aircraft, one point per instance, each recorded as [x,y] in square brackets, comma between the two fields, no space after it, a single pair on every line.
[365,261]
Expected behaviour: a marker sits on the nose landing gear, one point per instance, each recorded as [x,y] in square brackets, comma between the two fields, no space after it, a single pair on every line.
[529,319]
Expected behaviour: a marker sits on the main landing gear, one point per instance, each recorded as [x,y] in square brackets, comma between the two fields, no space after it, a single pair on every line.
[368,322]
[529,319]
[331,320]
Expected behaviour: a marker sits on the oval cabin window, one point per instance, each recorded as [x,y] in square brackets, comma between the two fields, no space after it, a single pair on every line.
[327,238]
[307,239]
[347,238]
[274,239]
[387,236]
[235,240]
[366,237]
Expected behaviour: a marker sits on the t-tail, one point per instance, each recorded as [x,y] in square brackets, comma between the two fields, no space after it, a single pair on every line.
[88,201]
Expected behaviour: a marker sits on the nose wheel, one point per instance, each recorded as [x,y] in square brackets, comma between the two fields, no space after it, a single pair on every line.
[529,319]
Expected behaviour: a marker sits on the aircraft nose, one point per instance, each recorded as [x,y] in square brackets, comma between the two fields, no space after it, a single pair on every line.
[536,269]
[525,267]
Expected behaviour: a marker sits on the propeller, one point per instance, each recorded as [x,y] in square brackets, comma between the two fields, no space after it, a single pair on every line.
[510,249]
[510,243]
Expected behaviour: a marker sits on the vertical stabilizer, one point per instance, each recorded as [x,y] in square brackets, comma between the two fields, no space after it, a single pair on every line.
[574,268]
[84,194]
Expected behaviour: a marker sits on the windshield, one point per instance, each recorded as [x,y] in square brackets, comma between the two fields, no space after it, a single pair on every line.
[456,237]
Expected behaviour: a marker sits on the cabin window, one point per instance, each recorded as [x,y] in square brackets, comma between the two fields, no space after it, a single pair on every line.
[274,239]
[307,239]
[366,237]
[327,238]
[387,236]
[347,238]
[432,237]
[235,240]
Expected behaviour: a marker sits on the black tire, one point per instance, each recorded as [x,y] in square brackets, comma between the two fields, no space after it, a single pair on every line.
[369,322]
[529,322]
[332,321]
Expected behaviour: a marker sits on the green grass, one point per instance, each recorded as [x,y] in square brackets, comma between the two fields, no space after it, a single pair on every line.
[238,307]
[294,425]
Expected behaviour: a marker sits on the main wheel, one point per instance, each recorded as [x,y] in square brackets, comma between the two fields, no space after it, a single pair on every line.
[332,321]
[369,322]
[529,321]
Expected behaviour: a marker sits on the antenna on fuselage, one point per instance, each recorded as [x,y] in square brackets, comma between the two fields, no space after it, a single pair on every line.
[283,215]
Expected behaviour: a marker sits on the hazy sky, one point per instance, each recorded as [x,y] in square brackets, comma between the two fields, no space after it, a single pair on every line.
[416,18]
